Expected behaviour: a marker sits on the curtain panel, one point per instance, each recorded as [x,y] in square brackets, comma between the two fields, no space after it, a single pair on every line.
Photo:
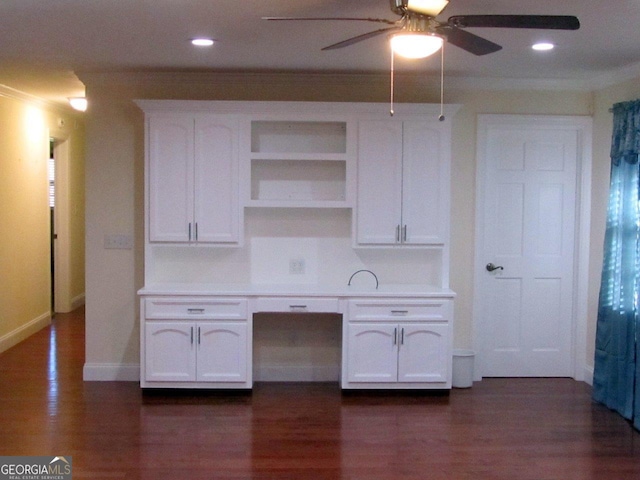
[616,378]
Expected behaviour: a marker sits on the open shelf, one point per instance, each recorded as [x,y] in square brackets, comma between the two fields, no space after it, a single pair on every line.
[292,181]
[298,137]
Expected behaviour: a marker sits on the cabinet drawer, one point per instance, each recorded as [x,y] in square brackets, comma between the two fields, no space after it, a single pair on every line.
[297,304]
[381,310]
[198,308]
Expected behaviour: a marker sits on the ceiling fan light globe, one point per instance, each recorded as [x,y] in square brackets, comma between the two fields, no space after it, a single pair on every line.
[415,45]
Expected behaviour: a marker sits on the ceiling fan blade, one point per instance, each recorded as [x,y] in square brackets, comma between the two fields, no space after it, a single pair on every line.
[550,22]
[350,19]
[468,41]
[360,38]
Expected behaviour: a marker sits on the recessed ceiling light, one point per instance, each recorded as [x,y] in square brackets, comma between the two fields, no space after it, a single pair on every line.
[543,46]
[202,42]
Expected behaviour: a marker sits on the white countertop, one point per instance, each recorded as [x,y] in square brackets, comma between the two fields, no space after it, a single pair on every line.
[203,289]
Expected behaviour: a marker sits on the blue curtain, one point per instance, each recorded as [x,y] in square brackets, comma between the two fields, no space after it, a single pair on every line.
[616,376]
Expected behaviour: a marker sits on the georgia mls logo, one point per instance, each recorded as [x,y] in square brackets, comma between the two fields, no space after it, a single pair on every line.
[35,468]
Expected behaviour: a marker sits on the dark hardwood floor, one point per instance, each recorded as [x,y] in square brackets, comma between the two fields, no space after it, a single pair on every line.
[499,429]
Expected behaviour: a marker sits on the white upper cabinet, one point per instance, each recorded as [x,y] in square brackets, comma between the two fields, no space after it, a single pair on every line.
[402,186]
[170,173]
[216,179]
[193,178]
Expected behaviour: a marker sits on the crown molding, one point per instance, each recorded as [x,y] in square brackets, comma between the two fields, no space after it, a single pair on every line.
[319,78]
[10,92]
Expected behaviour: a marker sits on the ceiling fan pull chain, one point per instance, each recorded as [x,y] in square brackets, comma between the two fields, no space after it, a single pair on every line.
[391,95]
[441,117]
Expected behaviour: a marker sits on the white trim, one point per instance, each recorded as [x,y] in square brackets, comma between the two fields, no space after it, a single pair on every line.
[588,375]
[297,373]
[9,92]
[77,301]
[111,372]
[23,332]
[581,83]
[582,247]
[583,126]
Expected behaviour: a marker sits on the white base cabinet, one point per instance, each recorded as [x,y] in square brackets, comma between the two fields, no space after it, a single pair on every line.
[195,352]
[178,351]
[391,338]
[381,352]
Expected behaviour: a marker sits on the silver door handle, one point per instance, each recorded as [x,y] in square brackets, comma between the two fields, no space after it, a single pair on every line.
[491,267]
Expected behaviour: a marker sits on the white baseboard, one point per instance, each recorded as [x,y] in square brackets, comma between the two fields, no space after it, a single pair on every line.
[21,333]
[588,374]
[294,373]
[77,301]
[111,372]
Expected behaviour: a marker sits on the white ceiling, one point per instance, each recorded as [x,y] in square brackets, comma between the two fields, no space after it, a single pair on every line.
[43,42]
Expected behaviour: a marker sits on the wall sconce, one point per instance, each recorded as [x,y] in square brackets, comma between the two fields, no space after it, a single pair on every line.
[78,103]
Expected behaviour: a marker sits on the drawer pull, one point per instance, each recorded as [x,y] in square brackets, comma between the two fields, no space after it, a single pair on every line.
[195,311]
[297,308]
[399,312]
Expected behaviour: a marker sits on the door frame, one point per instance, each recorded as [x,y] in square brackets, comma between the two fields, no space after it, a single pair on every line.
[61,245]
[583,126]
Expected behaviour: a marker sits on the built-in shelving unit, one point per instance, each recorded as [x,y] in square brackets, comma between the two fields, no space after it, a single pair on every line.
[269,207]
[299,164]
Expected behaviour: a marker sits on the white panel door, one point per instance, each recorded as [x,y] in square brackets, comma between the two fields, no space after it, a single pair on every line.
[222,352]
[216,179]
[170,178]
[423,214]
[170,353]
[372,352]
[379,182]
[527,189]
[424,354]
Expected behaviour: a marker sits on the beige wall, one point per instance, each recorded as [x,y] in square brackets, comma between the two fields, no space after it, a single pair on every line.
[115,157]
[25,281]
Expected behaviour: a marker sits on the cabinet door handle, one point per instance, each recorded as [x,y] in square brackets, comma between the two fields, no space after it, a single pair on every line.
[402,336]
[198,335]
[397,233]
[195,311]
[189,231]
[404,234]
[395,336]
[196,231]
[191,335]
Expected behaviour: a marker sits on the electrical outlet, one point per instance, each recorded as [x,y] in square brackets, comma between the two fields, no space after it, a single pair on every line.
[118,242]
[296,266]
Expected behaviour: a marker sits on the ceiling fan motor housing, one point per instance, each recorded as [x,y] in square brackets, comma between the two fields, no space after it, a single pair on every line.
[429,8]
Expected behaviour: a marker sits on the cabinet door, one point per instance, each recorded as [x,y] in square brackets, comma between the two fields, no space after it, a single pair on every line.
[222,352]
[379,182]
[372,352]
[423,212]
[170,353]
[170,177]
[216,179]
[423,353]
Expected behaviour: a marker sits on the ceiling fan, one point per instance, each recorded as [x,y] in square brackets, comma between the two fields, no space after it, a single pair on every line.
[417,33]
[418,21]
